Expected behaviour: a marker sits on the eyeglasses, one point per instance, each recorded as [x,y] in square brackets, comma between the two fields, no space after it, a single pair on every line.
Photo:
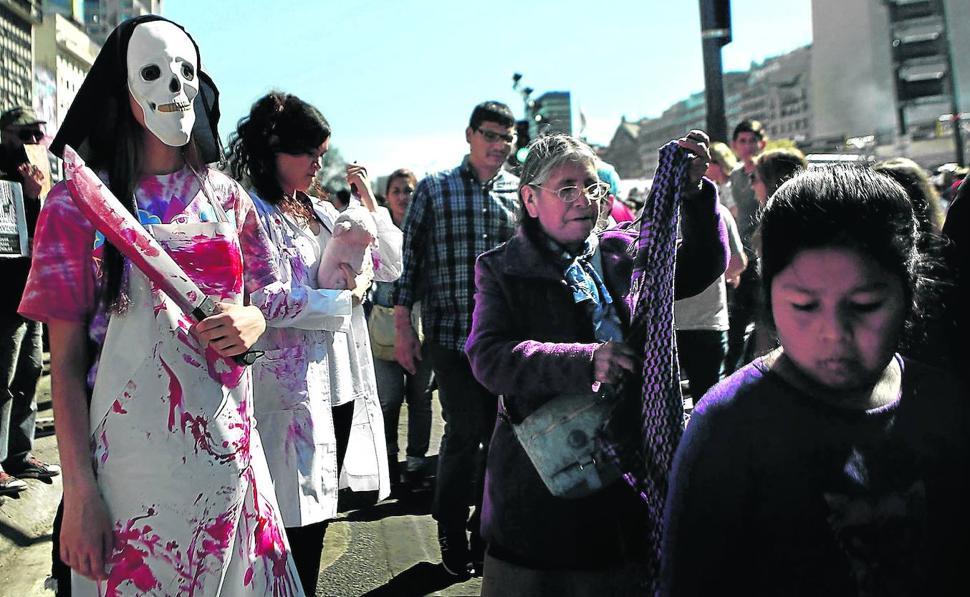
[493,137]
[594,192]
[28,135]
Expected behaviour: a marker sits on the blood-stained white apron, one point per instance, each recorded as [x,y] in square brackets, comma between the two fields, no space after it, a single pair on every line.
[175,447]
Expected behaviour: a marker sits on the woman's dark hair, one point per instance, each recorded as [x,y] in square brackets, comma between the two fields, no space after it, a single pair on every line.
[400,173]
[843,206]
[778,165]
[277,123]
[925,199]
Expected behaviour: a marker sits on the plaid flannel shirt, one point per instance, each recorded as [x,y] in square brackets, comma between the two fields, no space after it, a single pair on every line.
[453,218]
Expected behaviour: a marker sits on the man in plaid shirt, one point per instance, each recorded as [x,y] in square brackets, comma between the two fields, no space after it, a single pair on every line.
[455,216]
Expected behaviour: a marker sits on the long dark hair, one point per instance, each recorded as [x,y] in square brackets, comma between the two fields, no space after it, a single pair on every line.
[277,123]
[121,157]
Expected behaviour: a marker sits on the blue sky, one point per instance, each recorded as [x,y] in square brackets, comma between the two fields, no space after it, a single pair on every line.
[397,79]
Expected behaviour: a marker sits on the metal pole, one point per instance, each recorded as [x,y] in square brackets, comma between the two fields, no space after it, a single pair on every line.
[713,36]
[714,90]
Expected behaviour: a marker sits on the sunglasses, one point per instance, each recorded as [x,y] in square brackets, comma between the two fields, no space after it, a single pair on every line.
[493,137]
[30,135]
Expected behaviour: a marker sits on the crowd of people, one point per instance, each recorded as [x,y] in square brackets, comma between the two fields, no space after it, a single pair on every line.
[816,312]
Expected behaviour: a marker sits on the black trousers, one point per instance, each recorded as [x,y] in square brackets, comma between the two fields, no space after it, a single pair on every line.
[701,354]
[469,412]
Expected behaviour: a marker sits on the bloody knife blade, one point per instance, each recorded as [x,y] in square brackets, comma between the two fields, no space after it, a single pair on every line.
[132,240]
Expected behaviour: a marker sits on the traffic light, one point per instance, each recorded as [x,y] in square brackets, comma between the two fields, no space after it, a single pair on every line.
[522,140]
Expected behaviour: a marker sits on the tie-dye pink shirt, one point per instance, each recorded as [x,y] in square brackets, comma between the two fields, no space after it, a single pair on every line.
[65,278]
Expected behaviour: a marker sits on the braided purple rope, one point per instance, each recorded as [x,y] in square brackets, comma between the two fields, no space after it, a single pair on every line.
[652,327]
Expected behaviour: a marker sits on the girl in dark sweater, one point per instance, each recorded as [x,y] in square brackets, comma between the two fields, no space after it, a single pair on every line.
[831,466]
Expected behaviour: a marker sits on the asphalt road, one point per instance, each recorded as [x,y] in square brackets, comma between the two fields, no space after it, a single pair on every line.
[386,549]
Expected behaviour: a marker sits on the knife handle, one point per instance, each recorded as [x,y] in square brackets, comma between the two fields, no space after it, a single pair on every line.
[207,308]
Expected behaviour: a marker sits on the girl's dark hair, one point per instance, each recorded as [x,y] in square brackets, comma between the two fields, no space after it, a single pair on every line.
[116,149]
[843,206]
[277,123]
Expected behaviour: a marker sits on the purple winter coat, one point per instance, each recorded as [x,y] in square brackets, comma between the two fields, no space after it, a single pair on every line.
[529,342]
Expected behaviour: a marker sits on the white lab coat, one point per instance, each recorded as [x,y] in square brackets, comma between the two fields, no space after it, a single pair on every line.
[318,353]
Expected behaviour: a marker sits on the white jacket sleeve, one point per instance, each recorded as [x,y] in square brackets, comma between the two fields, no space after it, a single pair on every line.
[289,305]
[388,256]
[304,308]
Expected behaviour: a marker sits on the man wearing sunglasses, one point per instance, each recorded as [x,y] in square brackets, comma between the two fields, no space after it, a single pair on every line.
[455,216]
[21,351]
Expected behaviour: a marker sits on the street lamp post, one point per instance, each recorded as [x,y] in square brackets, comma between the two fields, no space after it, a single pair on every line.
[715,33]
[525,92]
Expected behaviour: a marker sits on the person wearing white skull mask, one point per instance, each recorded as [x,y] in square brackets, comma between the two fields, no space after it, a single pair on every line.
[162,80]
[166,488]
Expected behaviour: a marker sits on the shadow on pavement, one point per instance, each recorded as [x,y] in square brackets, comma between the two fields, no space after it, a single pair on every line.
[20,538]
[404,501]
[424,578]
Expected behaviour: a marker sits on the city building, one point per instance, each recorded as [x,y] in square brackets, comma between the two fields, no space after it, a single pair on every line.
[863,88]
[17,21]
[72,9]
[854,73]
[776,91]
[102,16]
[552,113]
[623,152]
[64,53]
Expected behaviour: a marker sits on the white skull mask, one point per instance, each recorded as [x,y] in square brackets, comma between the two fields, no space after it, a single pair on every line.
[163,79]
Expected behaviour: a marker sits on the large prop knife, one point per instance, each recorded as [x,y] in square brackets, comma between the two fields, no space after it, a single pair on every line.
[126,233]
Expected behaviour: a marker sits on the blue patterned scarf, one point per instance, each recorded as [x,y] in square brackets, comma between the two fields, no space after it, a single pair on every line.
[588,289]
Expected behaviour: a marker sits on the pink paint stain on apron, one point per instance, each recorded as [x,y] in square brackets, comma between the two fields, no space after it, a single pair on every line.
[232,529]
[207,263]
[268,544]
[220,533]
[127,562]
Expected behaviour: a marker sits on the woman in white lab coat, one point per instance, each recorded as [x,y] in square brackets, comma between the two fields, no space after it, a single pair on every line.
[315,393]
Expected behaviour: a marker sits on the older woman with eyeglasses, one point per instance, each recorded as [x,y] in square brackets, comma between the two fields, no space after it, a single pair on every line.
[550,318]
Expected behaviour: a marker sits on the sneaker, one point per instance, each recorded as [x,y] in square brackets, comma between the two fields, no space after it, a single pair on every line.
[34,469]
[10,485]
[417,481]
[454,553]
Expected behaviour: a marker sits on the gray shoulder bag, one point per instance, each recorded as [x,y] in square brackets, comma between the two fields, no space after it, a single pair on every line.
[563,440]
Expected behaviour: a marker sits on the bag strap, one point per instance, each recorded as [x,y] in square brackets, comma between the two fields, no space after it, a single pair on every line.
[503,412]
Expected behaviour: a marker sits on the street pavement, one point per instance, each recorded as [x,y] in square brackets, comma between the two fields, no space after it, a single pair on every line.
[384,549]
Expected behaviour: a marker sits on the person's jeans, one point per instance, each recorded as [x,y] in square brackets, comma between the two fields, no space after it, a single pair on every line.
[701,354]
[394,386]
[469,412]
[21,362]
